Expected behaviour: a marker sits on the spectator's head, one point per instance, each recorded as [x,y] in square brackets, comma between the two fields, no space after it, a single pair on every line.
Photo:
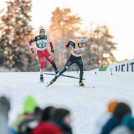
[47,113]
[37,112]
[111,106]
[29,105]
[4,105]
[121,110]
[128,121]
[63,115]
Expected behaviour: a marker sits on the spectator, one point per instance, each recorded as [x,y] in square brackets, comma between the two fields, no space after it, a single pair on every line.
[121,110]
[25,126]
[63,119]
[101,121]
[29,118]
[126,127]
[60,124]
[47,113]
[4,110]
[128,121]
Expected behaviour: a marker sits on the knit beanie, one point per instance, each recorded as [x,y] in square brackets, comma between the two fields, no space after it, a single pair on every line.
[112,105]
[60,113]
[121,110]
[29,104]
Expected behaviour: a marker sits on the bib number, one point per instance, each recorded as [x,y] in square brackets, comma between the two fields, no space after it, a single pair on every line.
[41,45]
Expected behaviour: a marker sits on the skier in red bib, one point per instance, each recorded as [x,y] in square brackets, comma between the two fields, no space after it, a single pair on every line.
[41,45]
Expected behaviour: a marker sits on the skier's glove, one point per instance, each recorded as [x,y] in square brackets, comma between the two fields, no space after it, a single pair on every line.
[52,50]
[31,51]
[66,46]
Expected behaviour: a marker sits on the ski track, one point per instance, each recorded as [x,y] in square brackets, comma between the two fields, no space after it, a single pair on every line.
[86,104]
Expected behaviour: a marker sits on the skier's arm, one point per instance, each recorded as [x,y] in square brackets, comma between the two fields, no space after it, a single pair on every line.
[51,45]
[70,43]
[32,40]
[30,44]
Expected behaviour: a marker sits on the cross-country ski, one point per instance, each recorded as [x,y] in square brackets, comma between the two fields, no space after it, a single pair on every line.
[69,76]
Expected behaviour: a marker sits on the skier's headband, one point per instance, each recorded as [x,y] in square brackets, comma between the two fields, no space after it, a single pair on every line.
[82,43]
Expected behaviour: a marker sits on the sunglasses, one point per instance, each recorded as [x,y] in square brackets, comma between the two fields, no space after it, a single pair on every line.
[42,33]
[82,43]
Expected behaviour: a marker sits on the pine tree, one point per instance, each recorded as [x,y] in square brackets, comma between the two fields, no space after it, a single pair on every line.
[0,19]
[100,47]
[5,41]
[22,32]
[16,33]
[64,27]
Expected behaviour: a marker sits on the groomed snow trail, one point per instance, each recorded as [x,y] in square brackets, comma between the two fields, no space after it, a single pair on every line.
[86,104]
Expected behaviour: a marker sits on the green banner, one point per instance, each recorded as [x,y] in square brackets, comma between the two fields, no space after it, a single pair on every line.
[103,68]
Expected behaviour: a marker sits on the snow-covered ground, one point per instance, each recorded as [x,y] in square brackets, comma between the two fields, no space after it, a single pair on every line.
[86,104]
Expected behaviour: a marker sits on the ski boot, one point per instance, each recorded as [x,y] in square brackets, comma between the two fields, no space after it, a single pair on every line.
[81,83]
[54,79]
[41,78]
[56,71]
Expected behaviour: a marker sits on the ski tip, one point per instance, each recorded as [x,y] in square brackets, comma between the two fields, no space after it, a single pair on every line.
[47,86]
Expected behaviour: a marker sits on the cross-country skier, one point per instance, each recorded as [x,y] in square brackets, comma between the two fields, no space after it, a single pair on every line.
[77,50]
[41,44]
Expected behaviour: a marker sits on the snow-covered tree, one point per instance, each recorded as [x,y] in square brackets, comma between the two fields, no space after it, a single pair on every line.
[15,35]
[5,41]
[64,27]
[100,48]
[22,31]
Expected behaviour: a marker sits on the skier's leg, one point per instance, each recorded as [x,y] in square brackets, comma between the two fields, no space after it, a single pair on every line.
[42,63]
[51,60]
[67,65]
[80,65]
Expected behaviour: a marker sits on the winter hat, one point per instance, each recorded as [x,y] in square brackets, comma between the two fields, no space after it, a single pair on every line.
[37,110]
[112,105]
[60,113]
[121,110]
[4,105]
[128,121]
[29,105]
[46,113]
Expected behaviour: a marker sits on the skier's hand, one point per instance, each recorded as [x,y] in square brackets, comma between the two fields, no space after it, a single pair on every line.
[31,51]
[66,46]
[52,50]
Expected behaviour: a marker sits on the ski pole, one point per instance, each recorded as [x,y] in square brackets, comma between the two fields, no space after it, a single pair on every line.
[60,52]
